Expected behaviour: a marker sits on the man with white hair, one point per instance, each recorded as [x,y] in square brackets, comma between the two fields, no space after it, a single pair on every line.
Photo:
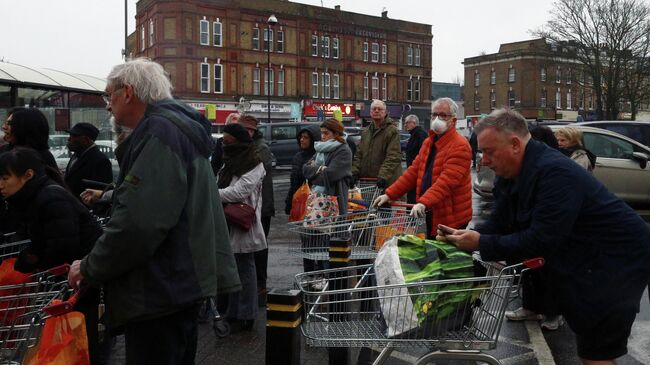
[378,155]
[418,135]
[440,174]
[166,245]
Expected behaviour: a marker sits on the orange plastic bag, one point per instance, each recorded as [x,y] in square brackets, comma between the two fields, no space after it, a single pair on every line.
[299,203]
[11,309]
[63,342]
[383,234]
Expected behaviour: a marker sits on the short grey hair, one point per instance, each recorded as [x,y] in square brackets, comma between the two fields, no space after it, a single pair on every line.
[412,117]
[453,107]
[149,80]
[377,102]
[232,115]
[504,121]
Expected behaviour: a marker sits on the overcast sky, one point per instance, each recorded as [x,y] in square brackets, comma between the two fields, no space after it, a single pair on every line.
[87,36]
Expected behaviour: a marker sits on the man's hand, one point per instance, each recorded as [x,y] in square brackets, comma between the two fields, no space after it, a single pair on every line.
[465,240]
[380,201]
[74,276]
[382,183]
[418,210]
[90,196]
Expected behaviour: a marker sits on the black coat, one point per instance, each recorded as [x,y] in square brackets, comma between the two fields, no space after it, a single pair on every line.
[60,227]
[418,135]
[299,159]
[91,165]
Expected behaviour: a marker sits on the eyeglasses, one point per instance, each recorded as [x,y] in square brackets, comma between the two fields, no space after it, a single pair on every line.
[442,116]
[108,96]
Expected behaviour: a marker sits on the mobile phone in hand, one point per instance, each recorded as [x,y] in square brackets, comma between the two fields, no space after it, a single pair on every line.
[445,230]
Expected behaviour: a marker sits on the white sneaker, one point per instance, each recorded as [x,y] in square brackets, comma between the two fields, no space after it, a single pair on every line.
[552,323]
[523,314]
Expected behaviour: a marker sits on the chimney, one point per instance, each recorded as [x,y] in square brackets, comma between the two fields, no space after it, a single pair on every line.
[337,7]
[384,13]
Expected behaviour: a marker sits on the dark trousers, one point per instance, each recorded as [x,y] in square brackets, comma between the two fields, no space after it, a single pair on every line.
[536,294]
[262,257]
[168,340]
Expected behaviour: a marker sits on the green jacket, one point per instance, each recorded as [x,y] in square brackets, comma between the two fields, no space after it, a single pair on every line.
[166,246]
[379,154]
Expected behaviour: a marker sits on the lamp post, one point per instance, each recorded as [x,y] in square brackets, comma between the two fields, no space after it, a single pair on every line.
[271,22]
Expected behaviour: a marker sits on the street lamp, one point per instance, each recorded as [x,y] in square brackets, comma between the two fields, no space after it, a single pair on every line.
[271,22]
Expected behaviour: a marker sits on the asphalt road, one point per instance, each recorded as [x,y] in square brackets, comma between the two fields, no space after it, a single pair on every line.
[519,343]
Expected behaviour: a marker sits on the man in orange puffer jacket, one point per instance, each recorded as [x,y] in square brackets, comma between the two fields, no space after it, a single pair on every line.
[440,174]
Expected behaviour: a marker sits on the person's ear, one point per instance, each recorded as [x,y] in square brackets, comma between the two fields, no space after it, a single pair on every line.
[29,174]
[516,144]
[128,93]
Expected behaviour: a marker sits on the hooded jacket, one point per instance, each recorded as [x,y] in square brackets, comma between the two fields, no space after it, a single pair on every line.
[299,159]
[166,245]
[379,154]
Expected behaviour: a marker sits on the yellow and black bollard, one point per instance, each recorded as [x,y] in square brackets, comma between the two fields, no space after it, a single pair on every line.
[283,318]
[340,252]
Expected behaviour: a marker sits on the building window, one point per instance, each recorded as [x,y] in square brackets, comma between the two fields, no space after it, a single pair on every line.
[375,52]
[409,55]
[268,39]
[151,33]
[493,77]
[409,90]
[384,53]
[256,81]
[542,74]
[143,45]
[314,45]
[365,51]
[314,84]
[493,99]
[384,84]
[335,48]
[218,79]
[365,88]
[205,78]
[511,98]
[511,74]
[581,100]
[417,56]
[375,87]
[204,30]
[326,86]
[268,81]
[568,76]
[477,78]
[542,101]
[558,75]
[416,96]
[335,85]
[280,37]
[256,38]
[325,41]
[590,101]
[280,81]
[477,102]
[558,99]
[216,33]
[568,100]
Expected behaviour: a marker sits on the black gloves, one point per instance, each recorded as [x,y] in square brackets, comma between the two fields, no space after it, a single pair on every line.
[382,183]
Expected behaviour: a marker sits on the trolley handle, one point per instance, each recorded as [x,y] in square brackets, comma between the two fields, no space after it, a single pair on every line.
[534,263]
[61,308]
[402,205]
[368,179]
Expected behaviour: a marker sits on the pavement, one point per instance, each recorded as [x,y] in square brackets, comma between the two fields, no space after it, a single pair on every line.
[520,343]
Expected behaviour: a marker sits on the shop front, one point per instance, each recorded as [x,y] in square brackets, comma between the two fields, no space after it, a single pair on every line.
[319,111]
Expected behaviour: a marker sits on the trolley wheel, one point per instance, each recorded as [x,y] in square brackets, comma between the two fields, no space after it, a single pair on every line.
[221,328]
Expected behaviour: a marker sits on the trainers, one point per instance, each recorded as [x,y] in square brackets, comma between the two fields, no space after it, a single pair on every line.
[552,323]
[523,314]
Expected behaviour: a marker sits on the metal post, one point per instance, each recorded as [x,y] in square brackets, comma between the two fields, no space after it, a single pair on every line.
[271,22]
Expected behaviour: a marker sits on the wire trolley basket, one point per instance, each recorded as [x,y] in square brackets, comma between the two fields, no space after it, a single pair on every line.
[352,311]
[365,230]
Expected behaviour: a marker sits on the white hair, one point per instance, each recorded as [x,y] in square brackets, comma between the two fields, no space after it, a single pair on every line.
[149,80]
[453,107]
[412,117]
[231,116]
[377,102]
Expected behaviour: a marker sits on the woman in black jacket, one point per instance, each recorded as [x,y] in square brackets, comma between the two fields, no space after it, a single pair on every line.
[60,228]
[306,139]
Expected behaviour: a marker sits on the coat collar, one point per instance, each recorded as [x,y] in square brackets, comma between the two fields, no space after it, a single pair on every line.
[443,140]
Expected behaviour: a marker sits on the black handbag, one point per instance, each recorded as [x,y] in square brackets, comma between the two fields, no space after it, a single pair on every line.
[240,215]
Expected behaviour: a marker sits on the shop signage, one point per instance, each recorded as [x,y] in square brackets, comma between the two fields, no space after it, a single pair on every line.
[312,109]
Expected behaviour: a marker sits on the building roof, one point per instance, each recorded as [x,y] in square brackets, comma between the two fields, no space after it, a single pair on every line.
[11,73]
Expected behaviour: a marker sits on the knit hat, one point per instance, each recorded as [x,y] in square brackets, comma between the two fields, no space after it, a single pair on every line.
[333,125]
[248,122]
[239,132]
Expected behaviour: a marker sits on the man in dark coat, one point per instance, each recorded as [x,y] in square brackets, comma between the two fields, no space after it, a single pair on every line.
[87,161]
[597,248]
[418,135]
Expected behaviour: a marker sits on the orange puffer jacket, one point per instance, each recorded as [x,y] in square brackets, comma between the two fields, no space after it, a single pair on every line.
[450,193]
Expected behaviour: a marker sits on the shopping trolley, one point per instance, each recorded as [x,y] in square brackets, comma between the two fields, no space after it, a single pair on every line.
[355,317]
[11,249]
[21,311]
[365,230]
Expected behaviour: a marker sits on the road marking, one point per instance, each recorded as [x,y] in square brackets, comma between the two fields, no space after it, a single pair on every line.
[540,347]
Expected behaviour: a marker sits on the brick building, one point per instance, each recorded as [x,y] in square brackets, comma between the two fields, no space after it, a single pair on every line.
[321,59]
[536,78]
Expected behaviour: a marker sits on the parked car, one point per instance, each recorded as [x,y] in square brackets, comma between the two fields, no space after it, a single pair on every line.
[62,156]
[621,165]
[638,131]
[354,133]
[281,138]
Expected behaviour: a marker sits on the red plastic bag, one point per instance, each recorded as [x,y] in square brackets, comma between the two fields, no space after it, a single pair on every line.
[10,309]
[299,203]
[63,342]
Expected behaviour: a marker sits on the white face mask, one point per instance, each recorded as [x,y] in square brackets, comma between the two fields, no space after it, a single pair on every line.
[439,126]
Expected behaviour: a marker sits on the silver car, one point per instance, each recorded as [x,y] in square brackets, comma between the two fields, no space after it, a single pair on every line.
[621,164]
